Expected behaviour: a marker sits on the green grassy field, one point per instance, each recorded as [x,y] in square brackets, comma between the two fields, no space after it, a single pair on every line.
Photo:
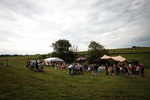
[19,83]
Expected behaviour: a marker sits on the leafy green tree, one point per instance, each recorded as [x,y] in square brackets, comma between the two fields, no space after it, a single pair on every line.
[62,49]
[95,50]
[61,46]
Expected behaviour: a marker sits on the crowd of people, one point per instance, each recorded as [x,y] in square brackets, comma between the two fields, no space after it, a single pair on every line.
[76,68]
[126,69]
[114,69]
[132,70]
[35,65]
[56,64]
[7,64]
[39,65]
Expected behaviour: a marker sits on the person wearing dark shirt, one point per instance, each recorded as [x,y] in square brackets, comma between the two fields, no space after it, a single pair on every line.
[133,68]
[73,66]
[96,69]
[142,69]
[37,66]
[118,69]
[126,70]
[85,67]
[106,68]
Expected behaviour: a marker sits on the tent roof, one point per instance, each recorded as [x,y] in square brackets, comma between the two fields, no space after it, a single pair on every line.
[105,57]
[117,58]
[108,58]
[53,59]
[81,59]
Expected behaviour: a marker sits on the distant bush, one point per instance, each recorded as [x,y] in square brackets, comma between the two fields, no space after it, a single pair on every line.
[134,46]
[135,61]
[42,56]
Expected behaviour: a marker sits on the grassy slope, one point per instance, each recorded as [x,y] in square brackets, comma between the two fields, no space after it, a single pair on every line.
[137,50]
[17,83]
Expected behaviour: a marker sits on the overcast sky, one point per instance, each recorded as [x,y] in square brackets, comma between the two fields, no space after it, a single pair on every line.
[31,26]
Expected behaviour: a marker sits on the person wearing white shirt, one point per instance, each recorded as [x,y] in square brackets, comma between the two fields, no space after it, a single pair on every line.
[70,69]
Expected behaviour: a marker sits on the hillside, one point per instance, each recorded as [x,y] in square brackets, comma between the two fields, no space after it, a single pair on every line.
[142,54]
[137,50]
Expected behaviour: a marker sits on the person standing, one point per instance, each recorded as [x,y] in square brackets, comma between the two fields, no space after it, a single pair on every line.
[78,69]
[92,69]
[85,67]
[130,66]
[133,68]
[37,66]
[142,69]
[42,66]
[81,68]
[126,68]
[106,68]
[31,65]
[70,69]
[53,64]
[137,70]
[109,70]
[115,69]
[118,69]
[26,63]
[96,69]
[73,70]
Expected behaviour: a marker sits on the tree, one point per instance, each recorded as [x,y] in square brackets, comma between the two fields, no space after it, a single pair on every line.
[61,46]
[74,48]
[62,49]
[95,50]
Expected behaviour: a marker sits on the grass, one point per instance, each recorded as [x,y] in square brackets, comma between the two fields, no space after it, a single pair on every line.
[137,50]
[17,83]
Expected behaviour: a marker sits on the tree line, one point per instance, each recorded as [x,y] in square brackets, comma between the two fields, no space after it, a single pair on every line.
[63,49]
[7,55]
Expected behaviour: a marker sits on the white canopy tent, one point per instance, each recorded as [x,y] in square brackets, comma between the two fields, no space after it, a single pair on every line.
[117,58]
[48,60]
[105,57]
[108,58]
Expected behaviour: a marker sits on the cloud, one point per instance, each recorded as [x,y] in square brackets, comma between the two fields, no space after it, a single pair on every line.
[31,26]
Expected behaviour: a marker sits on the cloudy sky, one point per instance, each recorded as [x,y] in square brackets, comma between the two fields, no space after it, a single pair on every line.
[31,26]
